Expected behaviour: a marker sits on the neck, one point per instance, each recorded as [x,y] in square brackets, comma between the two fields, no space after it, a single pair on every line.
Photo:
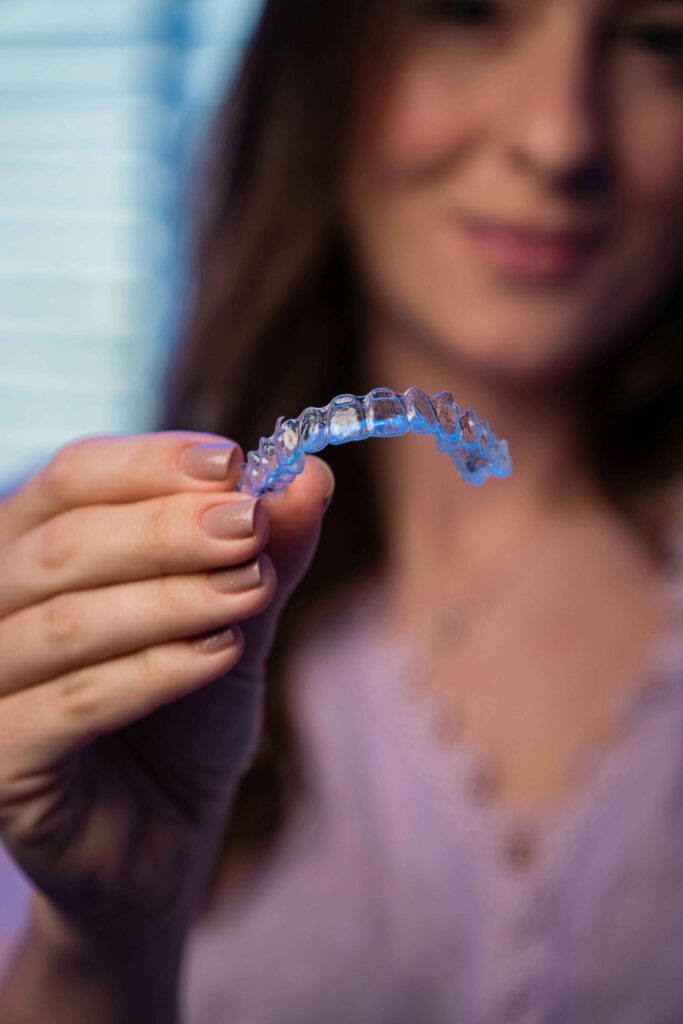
[434,522]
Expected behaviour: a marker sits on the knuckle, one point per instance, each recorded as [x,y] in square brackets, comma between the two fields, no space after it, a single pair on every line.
[147,671]
[60,622]
[171,598]
[79,697]
[60,471]
[56,544]
[157,530]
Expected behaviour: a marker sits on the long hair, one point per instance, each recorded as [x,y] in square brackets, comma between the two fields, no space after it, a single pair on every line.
[273,323]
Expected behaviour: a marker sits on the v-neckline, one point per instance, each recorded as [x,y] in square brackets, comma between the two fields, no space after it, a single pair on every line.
[455,767]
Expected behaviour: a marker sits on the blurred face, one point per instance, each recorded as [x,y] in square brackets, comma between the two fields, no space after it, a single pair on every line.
[515,189]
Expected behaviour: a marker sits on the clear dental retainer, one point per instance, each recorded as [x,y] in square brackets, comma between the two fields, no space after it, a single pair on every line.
[473,448]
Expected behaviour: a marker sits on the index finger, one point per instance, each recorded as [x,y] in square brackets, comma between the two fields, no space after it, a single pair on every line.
[115,468]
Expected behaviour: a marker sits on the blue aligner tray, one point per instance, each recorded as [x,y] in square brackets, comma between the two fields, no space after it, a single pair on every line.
[474,449]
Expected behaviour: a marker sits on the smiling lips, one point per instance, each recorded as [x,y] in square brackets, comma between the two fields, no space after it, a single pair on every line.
[530,252]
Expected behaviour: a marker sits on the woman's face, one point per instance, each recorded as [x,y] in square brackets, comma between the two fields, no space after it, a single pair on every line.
[550,115]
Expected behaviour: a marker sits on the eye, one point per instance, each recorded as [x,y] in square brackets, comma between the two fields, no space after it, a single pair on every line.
[469,13]
[660,40]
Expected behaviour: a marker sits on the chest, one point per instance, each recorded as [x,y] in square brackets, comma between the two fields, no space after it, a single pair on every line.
[532,694]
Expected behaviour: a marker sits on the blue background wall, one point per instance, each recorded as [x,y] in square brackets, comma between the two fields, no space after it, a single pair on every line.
[101,108]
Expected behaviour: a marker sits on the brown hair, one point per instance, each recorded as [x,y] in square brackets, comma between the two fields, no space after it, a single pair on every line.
[274,322]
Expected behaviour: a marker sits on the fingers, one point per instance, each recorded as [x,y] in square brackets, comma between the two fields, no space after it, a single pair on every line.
[44,724]
[295,517]
[100,545]
[296,510]
[118,468]
[80,630]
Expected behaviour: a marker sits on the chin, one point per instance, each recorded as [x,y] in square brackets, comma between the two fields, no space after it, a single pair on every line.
[525,359]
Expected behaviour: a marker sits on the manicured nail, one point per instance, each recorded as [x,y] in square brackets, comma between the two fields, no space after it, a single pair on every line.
[217,640]
[333,482]
[238,519]
[327,502]
[237,579]
[209,461]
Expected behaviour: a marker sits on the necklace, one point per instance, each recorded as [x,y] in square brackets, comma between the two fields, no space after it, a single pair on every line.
[453,619]
[451,624]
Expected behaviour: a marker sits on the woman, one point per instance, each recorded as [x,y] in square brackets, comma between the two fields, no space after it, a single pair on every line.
[465,196]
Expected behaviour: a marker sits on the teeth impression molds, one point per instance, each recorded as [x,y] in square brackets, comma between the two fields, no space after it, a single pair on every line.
[475,451]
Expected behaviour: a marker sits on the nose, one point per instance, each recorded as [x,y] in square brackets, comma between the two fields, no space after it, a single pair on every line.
[552,120]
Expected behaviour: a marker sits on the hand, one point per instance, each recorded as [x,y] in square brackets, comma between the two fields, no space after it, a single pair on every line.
[121,741]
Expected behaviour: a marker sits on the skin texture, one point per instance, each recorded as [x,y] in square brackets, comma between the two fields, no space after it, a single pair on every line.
[458,124]
[120,741]
[553,114]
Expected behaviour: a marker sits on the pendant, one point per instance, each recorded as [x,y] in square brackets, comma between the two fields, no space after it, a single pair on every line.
[450,625]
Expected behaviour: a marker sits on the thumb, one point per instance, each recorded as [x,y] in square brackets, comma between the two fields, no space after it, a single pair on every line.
[295,516]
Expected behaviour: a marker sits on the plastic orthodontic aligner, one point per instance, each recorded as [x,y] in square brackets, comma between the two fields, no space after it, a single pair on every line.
[473,448]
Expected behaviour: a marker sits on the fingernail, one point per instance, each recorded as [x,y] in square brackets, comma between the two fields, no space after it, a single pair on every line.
[209,461]
[217,640]
[236,579]
[327,500]
[238,519]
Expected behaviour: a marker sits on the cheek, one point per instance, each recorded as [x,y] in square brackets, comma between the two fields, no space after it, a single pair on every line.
[425,144]
[650,181]
[417,118]
[651,158]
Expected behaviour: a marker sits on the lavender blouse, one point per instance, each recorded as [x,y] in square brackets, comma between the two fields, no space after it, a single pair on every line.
[402,892]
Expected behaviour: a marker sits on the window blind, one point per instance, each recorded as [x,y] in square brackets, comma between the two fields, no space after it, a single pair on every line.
[101,106]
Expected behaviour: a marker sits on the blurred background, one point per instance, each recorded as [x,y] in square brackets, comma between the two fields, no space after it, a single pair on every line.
[103,105]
